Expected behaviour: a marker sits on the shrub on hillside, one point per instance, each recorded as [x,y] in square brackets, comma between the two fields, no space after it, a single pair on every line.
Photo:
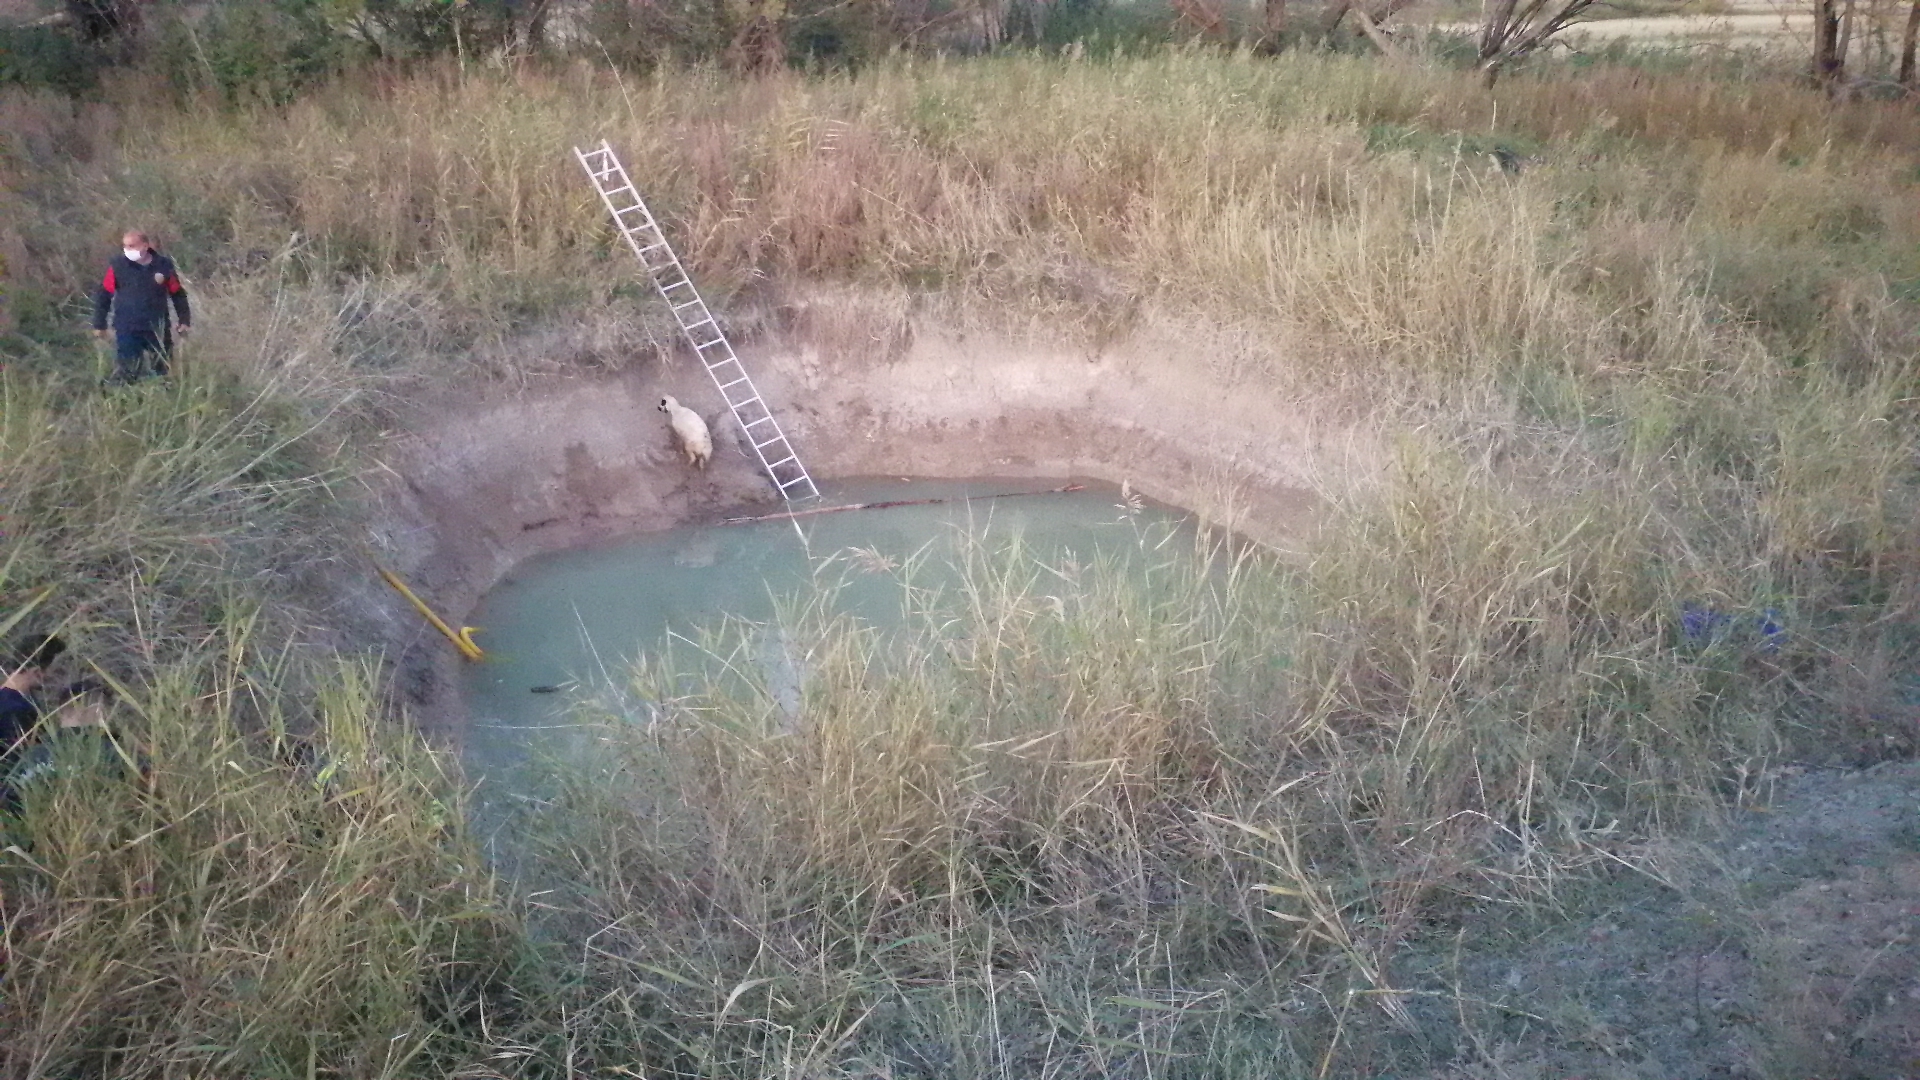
[642,35]
[46,57]
[430,27]
[253,51]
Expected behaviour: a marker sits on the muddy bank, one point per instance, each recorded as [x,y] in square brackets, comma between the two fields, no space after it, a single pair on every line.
[472,485]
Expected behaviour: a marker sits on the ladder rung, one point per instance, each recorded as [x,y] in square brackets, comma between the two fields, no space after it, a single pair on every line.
[776,464]
[681,284]
[767,419]
[769,442]
[736,382]
[708,345]
[695,302]
[803,478]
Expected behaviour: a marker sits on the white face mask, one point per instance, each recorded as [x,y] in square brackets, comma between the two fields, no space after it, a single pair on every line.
[133,254]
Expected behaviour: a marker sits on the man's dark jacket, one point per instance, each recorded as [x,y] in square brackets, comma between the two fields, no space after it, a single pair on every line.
[138,295]
[18,717]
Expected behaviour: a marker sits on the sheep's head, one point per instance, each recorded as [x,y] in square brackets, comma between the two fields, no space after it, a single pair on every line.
[667,404]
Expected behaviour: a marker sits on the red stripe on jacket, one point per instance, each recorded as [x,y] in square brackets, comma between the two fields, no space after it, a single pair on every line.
[108,283]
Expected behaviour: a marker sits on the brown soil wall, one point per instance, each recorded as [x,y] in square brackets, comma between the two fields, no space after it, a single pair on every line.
[474,485]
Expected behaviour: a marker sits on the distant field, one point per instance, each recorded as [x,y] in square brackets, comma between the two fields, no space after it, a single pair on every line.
[1786,27]
[24,10]
[1745,24]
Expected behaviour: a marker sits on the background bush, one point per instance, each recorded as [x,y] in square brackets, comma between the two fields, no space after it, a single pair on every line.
[266,52]
[47,57]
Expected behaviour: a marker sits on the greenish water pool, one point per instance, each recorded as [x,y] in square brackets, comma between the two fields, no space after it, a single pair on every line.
[566,628]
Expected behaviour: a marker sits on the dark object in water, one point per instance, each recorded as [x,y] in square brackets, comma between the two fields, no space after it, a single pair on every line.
[545,689]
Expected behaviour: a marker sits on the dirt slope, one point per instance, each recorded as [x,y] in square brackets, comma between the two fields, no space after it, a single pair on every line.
[477,482]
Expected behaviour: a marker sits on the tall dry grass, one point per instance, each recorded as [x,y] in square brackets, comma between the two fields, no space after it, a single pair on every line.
[257,869]
[1645,395]
[1308,195]
[206,895]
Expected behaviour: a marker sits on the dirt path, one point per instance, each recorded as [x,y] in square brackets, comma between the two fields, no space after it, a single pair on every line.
[1789,950]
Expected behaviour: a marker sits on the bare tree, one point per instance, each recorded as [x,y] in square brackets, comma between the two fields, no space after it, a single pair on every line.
[1373,16]
[1204,16]
[756,34]
[530,24]
[1829,49]
[1513,29]
[1273,24]
[1381,41]
[99,20]
[1907,41]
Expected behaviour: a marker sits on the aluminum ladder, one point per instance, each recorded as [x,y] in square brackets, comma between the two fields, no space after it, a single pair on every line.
[636,223]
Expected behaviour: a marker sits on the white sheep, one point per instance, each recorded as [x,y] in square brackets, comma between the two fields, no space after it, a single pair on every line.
[689,431]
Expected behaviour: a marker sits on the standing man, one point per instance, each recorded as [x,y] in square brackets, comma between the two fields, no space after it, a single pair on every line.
[139,283]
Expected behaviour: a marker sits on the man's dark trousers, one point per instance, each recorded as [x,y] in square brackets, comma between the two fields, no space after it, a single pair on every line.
[138,353]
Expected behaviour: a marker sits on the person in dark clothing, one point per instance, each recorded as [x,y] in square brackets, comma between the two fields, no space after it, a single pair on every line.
[20,712]
[139,284]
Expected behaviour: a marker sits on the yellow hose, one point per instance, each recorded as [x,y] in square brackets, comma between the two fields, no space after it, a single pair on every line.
[462,640]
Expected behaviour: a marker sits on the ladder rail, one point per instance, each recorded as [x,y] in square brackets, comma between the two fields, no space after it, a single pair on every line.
[648,243]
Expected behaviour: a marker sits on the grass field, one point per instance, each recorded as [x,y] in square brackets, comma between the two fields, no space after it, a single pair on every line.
[1668,366]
